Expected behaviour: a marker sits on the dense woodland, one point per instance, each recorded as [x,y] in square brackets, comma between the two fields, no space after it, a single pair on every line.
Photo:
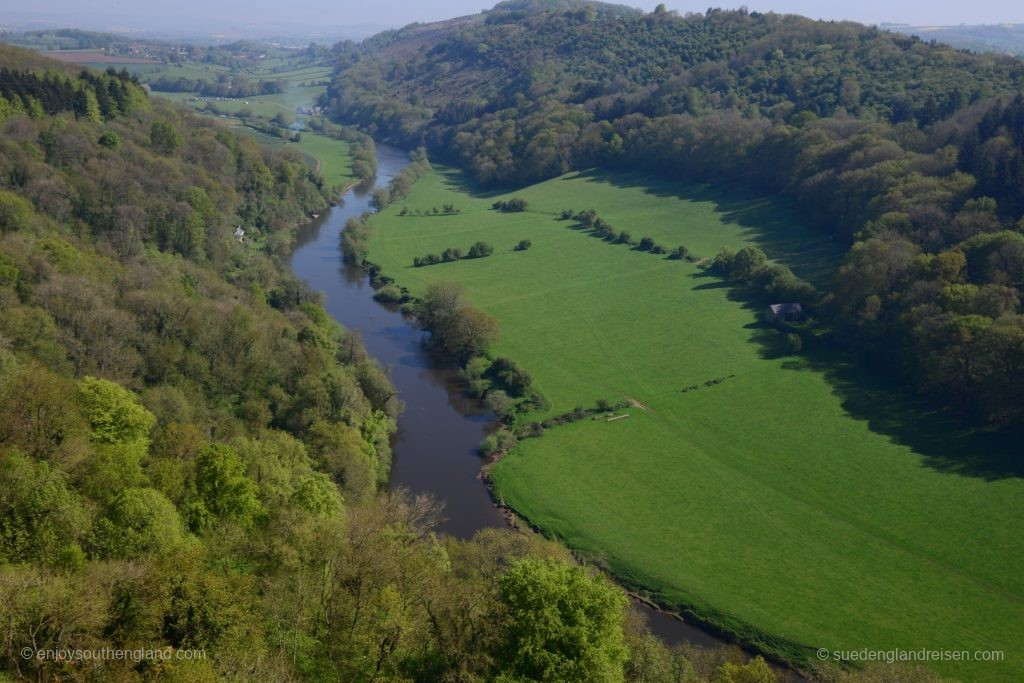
[909,152]
[191,451]
[224,86]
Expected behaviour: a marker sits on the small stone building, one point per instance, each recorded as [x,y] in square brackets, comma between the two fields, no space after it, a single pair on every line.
[784,313]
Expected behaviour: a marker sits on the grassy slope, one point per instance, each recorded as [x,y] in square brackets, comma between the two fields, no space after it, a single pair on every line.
[787,500]
[334,156]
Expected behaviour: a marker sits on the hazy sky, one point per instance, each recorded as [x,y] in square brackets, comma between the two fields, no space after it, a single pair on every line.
[208,14]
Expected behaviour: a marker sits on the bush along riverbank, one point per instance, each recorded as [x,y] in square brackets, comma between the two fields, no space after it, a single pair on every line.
[356,234]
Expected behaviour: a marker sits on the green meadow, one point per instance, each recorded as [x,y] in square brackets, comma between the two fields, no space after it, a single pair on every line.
[333,157]
[298,74]
[260,105]
[796,503]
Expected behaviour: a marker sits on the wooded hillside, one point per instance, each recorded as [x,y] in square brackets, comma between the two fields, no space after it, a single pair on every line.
[911,153]
[192,453]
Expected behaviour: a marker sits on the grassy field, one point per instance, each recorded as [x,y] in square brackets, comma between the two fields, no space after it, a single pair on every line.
[334,156]
[298,75]
[796,503]
[260,105]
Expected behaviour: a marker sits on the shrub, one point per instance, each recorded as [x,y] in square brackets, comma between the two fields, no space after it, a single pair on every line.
[451,254]
[679,253]
[500,403]
[389,294]
[510,375]
[501,441]
[537,401]
[723,261]
[479,250]
[587,218]
[524,245]
[512,205]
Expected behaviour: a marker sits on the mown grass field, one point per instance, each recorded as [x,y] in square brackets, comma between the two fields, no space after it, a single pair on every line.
[796,503]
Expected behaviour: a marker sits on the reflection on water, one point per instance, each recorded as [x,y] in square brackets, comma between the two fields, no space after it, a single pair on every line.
[435,449]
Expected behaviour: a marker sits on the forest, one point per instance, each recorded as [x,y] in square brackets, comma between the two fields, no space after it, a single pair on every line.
[911,154]
[192,452]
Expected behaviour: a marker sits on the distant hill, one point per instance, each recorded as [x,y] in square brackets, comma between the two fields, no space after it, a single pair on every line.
[1002,38]
[607,62]
[898,147]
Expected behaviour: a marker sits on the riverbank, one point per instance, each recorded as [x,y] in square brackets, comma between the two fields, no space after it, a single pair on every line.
[746,508]
[436,447]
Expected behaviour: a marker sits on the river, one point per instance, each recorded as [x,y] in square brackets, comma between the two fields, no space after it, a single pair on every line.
[435,449]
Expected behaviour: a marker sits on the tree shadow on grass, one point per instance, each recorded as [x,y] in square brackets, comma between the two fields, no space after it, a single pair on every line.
[461,181]
[946,442]
[772,223]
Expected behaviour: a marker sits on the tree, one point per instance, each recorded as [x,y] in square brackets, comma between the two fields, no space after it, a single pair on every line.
[165,138]
[114,414]
[560,623]
[511,205]
[679,253]
[137,522]
[41,518]
[37,417]
[15,212]
[524,245]
[479,250]
[746,262]
[318,495]
[754,671]
[469,332]
[222,486]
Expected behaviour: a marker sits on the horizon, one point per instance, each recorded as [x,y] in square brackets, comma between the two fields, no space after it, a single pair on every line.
[333,21]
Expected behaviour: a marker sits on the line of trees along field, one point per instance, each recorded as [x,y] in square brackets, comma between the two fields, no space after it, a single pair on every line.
[912,153]
[191,450]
